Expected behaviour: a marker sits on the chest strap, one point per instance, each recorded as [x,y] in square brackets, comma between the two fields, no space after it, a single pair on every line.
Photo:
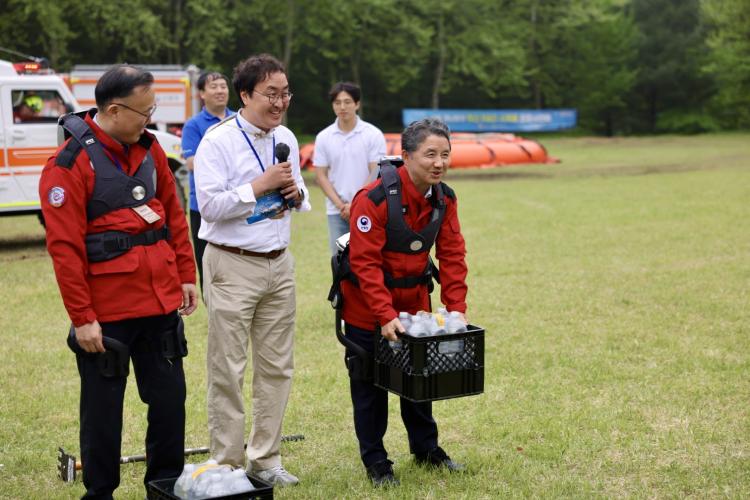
[111,244]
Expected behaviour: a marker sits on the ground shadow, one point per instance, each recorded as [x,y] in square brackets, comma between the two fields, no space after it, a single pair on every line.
[22,243]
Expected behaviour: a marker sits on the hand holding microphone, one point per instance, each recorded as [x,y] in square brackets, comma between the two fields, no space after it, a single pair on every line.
[279,175]
[289,191]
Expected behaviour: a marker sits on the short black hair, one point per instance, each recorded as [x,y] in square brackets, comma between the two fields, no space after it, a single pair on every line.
[253,70]
[416,133]
[120,81]
[350,88]
[208,77]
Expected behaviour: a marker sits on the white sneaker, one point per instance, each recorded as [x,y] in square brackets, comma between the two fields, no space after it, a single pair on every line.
[277,476]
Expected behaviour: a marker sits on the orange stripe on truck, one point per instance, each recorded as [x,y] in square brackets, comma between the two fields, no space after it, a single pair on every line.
[29,157]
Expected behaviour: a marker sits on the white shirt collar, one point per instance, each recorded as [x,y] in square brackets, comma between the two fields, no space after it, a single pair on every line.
[357,127]
[252,130]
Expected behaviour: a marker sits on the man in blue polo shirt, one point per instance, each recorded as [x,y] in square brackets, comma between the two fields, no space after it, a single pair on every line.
[214,91]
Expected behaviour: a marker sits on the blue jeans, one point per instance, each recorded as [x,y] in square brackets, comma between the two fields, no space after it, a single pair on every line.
[336,228]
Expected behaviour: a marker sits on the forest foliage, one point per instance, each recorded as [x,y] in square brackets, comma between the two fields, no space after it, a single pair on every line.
[627,66]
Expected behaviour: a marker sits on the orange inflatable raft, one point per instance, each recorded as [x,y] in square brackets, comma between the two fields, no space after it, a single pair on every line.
[469,150]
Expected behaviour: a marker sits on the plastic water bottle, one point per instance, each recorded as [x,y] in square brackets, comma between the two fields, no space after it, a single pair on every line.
[405,319]
[456,324]
[453,325]
[418,327]
[184,482]
[215,486]
[437,323]
[239,483]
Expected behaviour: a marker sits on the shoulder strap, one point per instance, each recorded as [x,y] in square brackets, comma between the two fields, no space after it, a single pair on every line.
[399,236]
[449,192]
[377,194]
[66,157]
[82,133]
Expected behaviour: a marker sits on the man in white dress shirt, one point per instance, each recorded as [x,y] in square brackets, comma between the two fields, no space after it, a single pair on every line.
[249,272]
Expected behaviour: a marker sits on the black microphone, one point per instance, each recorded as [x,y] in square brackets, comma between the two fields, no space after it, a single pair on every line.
[281,152]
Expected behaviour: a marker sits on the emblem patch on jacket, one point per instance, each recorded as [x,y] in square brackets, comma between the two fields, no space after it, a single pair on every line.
[56,196]
[364,224]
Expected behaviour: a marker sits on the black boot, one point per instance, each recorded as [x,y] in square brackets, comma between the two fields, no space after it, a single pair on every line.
[381,474]
[438,458]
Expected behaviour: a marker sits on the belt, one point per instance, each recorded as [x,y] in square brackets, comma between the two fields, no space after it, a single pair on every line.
[241,251]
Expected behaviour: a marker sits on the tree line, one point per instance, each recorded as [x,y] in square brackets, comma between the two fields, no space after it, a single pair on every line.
[627,66]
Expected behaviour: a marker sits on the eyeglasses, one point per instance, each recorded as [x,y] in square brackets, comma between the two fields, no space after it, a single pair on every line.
[147,115]
[274,98]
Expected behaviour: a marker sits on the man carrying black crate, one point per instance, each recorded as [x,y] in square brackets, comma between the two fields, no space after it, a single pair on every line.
[394,223]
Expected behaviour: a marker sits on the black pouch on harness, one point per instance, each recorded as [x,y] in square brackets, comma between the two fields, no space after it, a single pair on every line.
[340,270]
[360,366]
[359,362]
[173,342]
[113,362]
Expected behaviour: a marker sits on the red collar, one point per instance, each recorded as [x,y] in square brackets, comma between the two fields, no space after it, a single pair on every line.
[133,154]
[408,187]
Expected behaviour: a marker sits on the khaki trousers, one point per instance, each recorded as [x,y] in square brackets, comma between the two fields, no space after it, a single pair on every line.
[249,300]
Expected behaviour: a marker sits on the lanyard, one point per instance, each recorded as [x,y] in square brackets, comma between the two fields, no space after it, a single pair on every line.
[273,146]
[115,160]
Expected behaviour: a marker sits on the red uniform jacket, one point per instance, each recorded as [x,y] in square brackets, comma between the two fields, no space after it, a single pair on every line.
[372,303]
[144,281]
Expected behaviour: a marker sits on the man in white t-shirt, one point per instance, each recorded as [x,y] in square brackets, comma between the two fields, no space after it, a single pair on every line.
[345,154]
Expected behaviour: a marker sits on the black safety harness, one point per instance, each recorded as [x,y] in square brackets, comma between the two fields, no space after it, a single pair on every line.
[399,238]
[113,188]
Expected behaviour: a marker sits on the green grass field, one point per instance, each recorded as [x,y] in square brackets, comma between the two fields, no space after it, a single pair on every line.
[614,288]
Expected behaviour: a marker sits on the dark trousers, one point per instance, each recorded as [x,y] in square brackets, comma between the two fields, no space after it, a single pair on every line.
[161,385]
[199,245]
[371,412]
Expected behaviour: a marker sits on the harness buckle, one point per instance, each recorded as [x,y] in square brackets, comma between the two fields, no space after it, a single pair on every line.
[124,242]
[150,237]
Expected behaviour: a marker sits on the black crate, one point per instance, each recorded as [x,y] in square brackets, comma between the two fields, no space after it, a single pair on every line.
[422,370]
[163,489]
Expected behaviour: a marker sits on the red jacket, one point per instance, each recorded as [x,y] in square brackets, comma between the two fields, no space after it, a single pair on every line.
[372,303]
[144,281]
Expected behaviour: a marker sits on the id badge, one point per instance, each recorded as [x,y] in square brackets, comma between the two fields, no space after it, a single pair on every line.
[145,212]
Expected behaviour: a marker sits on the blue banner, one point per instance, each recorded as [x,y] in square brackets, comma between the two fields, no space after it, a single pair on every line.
[498,120]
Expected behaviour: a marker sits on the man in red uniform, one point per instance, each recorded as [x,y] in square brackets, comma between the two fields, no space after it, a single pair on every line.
[389,252]
[124,265]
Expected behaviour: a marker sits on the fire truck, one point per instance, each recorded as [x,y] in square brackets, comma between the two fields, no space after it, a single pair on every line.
[32,98]
[177,96]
